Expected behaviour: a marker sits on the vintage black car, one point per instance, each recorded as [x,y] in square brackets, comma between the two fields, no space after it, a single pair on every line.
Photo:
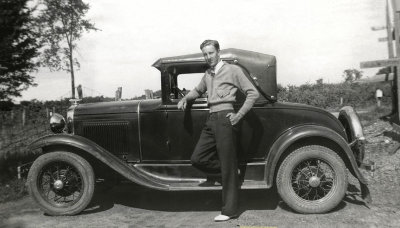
[306,152]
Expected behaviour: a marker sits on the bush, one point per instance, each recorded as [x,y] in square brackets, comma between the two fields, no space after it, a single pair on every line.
[328,96]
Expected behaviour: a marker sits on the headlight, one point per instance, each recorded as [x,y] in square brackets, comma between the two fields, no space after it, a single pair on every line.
[57,123]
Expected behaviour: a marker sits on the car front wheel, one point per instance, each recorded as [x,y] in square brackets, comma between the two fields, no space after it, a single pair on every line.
[62,183]
[312,179]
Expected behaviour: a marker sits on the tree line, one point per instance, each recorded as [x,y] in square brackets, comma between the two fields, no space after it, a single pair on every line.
[35,34]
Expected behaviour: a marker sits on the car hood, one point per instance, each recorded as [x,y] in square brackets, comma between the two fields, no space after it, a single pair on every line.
[112,107]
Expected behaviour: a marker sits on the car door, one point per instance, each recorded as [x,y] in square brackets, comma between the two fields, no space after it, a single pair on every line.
[153,131]
[184,127]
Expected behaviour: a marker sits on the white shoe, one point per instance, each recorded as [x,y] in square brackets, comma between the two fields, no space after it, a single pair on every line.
[222,218]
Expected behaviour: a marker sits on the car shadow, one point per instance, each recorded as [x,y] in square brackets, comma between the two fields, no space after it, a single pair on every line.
[353,196]
[135,196]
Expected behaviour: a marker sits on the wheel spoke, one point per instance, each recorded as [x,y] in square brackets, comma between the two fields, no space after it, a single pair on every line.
[304,173]
[47,194]
[325,190]
[304,188]
[58,172]
[309,168]
[55,195]
[66,173]
[45,182]
[316,195]
[318,168]
[312,168]
[71,190]
[306,194]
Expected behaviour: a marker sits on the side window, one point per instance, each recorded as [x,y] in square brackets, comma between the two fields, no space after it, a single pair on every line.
[187,82]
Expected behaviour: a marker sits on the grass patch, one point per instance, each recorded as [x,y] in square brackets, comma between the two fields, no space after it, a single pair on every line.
[373,113]
[12,190]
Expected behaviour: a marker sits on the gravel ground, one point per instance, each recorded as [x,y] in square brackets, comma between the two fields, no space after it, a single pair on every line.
[134,206]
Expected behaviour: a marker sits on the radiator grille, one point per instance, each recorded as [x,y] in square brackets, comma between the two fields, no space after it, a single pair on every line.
[112,136]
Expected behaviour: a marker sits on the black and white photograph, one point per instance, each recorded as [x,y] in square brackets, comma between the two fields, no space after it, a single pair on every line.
[199,113]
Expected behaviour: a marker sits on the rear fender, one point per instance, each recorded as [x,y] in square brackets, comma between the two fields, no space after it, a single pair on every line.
[355,136]
[97,152]
[302,132]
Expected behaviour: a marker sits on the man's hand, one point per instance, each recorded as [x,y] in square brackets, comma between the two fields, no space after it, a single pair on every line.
[182,104]
[234,117]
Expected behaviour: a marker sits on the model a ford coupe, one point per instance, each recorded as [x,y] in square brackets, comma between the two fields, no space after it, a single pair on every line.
[306,152]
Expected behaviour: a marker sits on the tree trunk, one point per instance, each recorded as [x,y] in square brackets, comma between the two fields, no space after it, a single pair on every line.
[71,62]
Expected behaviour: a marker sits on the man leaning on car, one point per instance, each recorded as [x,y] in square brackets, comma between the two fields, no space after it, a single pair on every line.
[215,152]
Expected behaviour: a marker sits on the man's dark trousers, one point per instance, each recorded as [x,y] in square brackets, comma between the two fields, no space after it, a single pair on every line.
[215,153]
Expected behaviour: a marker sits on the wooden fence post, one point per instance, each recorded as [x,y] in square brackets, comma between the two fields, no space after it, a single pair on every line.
[23,116]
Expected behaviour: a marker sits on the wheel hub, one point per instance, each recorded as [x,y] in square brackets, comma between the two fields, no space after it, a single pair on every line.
[58,184]
[314,181]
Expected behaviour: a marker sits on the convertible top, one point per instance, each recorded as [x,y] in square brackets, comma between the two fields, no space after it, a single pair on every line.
[259,68]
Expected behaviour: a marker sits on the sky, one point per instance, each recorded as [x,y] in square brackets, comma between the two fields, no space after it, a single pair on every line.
[311,39]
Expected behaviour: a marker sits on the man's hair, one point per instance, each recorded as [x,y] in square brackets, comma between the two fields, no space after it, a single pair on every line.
[210,42]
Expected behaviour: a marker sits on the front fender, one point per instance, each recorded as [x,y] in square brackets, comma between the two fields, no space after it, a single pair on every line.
[301,132]
[99,153]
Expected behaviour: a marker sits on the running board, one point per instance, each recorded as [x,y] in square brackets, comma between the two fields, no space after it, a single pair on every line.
[182,177]
[197,186]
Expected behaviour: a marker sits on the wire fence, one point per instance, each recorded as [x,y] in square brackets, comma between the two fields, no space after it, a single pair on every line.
[19,128]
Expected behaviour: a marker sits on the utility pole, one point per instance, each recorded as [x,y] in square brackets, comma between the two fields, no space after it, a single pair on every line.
[394,57]
[396,11]
[393,62]
[389,31]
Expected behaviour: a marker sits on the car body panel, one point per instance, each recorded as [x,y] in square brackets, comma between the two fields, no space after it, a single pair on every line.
[307,131]
[99,153]
[169,134]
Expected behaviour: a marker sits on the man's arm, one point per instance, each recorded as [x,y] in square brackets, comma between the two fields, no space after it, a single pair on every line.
[244,84]
[249,90]
[193,94]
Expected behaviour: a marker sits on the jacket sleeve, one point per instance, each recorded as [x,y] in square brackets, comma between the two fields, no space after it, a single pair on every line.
[244,84]
[198,90]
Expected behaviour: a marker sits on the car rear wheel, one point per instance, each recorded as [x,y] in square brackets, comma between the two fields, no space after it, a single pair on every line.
[62,183]
[312,179]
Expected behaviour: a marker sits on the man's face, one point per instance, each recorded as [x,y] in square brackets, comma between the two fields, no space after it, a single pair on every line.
[211,55]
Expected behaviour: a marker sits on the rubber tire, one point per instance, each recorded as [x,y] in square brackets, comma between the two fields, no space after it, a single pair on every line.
[325,204]
[80,164]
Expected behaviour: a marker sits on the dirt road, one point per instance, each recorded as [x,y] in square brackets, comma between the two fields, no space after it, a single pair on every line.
[133,206]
